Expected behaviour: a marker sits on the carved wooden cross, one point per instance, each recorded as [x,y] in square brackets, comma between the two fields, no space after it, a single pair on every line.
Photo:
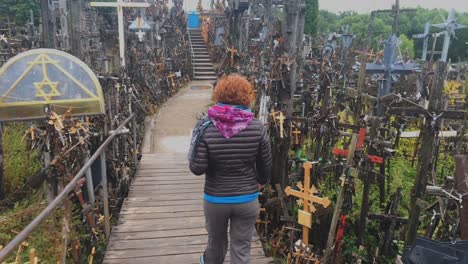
[232,51]
[281,119]
[308,198]
[296,132]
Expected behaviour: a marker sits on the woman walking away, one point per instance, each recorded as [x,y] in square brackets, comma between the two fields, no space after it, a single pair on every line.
[235,154]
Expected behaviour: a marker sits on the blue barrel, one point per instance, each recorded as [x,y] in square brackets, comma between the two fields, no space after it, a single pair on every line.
[193,19]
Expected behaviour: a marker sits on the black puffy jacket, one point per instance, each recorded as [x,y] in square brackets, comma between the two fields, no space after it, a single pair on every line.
[233,166]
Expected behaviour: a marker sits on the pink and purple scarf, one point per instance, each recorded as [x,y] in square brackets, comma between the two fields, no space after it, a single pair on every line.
[229,120]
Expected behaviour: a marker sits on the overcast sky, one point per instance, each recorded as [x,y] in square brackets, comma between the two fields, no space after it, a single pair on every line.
[369,5]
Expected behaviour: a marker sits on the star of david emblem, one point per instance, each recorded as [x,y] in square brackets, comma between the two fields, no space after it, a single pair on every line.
[41,92]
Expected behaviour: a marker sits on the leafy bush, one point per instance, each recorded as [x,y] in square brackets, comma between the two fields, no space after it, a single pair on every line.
[19,162]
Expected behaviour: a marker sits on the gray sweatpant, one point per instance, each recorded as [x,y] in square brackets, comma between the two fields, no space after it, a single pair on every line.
[242,218]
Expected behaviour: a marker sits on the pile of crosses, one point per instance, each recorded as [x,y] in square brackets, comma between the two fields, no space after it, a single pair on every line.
[339,117]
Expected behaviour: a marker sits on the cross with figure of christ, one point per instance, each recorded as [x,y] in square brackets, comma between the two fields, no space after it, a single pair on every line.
[140,35]
[308,198]
[120,5]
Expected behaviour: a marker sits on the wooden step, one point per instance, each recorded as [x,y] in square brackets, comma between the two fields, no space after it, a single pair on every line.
[205,78]
[210,73]
[203,64]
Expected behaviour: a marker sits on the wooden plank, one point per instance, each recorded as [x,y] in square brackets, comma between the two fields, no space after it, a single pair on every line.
[150,203]
[193,258]
[167,177]
[165,170]
[153,173]
[160,224]
[180,232]
[139,181]
[156,187]
[160,242]
[168,197]
[149,216]
[164,251]
[163,209]
[164,192]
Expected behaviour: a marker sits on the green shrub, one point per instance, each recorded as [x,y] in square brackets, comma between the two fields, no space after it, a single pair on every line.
[19,162]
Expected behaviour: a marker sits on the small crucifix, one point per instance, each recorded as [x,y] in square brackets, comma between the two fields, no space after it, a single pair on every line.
[120,19]
[308,198]
[140,35]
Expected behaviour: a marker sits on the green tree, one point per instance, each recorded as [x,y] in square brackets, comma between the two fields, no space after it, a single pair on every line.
[408,24]
[407,45]
[18,10]
[312,17]
[327,21]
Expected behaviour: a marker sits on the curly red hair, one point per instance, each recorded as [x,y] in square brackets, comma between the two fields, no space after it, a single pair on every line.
[234,89]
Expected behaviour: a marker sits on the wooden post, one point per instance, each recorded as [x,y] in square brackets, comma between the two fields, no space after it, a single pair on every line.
[305,229]
[47,32]
[2,191]
[461,183]
[105,194]
[339,202]
[426,156]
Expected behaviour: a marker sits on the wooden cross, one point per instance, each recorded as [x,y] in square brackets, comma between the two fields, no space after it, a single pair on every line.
[308,198]
[232,51]
[120,5]
[281,119]
[171,76]
[3,38]
[296,132]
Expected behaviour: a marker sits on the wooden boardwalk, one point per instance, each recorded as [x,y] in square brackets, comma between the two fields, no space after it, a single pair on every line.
[162,220]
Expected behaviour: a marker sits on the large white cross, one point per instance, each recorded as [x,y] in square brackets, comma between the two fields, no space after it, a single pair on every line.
[120,5]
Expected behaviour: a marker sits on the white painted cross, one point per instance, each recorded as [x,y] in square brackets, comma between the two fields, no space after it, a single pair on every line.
[3,38]
[140,35]
[120,5]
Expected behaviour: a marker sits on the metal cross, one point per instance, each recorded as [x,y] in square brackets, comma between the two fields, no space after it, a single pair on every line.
[424,36]
[120,5]
[390,65]
[450,26]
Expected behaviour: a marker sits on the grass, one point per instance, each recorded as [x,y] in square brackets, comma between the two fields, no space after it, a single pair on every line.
[19,162]
[45,240]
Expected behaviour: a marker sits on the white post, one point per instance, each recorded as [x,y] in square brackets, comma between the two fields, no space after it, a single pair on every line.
[446,46]
[121,32]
